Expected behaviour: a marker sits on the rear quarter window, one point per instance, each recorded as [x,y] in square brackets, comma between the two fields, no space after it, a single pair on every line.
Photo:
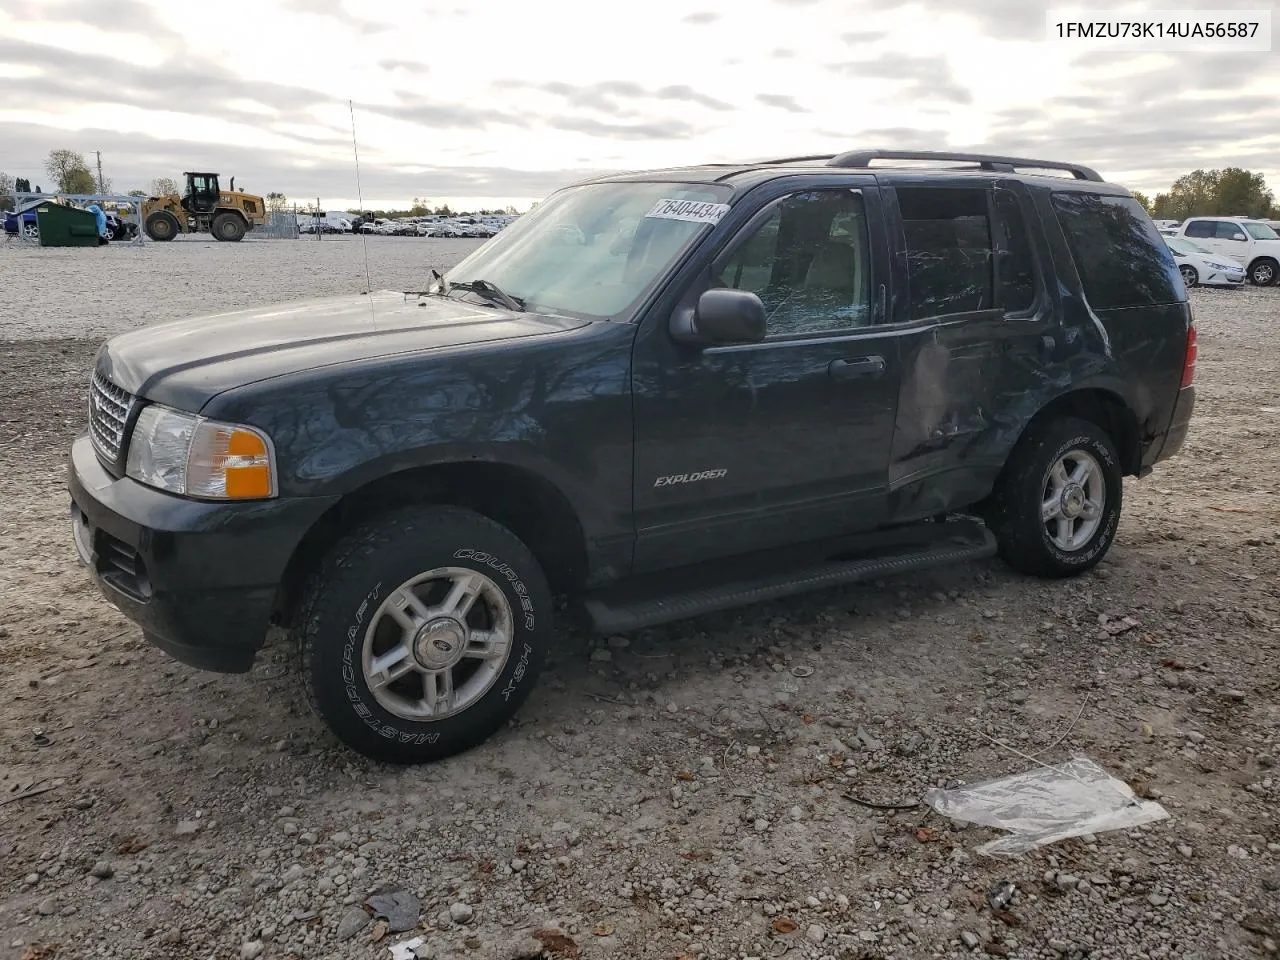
[1122,260]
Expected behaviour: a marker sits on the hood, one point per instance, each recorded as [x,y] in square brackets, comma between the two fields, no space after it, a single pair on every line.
[185,363]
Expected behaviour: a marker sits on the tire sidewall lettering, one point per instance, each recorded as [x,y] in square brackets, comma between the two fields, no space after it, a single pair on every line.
[352,670]
[1102,538]
[513,578]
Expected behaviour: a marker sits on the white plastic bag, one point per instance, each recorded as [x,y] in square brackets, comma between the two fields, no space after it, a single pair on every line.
[1045,805]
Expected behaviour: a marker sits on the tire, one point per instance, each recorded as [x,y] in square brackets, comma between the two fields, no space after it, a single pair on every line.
[345,625]
[1189,275]
[1263,272]
[1027,484]
[31,230]
[162,226]
[228,226]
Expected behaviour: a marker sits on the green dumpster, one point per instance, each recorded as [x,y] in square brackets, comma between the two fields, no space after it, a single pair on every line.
[65,226]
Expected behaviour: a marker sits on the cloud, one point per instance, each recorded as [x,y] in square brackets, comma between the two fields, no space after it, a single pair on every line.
[928,78]
[412,108]
[118,16]
[336,10]
[605,96]
[863,36]
[652,130]
[686,93]
[702,18]
[782,53]
[134,160]
[206,87]
[412,66]
[781,101]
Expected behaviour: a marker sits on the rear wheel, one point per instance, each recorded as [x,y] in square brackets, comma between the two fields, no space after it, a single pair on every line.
[227,226]
[1263,272]
[162,226]
[1189,275]
[30,230]
[1057,504]
[421,633]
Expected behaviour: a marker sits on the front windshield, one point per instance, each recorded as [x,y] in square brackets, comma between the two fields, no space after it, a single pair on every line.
[1261,231]
[594,250]
[1185,246]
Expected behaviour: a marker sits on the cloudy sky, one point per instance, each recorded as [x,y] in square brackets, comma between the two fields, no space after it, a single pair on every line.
[489,102]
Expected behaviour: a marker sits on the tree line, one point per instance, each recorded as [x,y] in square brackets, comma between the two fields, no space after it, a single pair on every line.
[1230,192]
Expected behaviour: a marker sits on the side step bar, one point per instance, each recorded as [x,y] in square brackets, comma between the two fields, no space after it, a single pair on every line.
[619,613]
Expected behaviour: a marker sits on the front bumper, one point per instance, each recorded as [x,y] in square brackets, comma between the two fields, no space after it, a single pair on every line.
[1223,280]
[200,579]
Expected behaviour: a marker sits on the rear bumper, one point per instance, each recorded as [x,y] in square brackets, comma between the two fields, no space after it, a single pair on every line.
[1179,424]
[200,579]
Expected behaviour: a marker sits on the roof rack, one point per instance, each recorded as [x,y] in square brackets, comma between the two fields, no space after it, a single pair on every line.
[995,164]
[781,160]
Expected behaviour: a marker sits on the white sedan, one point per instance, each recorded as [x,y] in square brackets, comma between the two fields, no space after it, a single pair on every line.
[1201,267]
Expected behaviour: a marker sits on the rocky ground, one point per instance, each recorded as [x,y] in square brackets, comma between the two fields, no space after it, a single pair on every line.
[686,792]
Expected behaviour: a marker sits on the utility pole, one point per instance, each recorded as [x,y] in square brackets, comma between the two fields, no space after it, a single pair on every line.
[101,188]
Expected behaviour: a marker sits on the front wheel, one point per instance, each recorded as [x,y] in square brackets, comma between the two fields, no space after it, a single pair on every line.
[422,633]
[1189,275]
[1057,504]
[162,226]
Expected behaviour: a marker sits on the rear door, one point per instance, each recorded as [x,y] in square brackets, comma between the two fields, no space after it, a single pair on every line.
[1204,233]
[972,316]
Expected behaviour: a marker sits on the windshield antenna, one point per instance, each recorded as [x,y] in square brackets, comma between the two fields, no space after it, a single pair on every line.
[364,237]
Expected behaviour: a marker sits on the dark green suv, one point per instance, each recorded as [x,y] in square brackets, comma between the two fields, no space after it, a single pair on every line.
[657,395]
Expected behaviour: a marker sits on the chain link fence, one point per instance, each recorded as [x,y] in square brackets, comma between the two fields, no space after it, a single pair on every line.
[280,225]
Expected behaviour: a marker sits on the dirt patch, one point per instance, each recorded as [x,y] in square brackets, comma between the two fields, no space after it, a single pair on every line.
[688,795]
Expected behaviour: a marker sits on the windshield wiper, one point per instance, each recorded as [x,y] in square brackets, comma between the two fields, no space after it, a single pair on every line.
[490,291]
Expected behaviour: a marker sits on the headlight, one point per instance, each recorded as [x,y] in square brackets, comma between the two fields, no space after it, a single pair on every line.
[194,457]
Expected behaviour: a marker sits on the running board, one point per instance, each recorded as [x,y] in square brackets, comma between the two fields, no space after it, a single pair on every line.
[626,608]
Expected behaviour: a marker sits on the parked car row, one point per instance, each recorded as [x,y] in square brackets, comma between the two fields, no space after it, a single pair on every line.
[438,226]
[1252,244]
[482,226]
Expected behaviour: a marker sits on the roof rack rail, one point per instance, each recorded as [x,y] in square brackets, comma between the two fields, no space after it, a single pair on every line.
[816,156]
[863,158]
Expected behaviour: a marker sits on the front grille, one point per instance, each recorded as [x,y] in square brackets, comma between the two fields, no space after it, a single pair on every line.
[109,408]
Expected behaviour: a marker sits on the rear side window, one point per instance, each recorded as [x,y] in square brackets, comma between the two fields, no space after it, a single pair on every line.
[1015,273]
[1204,229]
[948,235]
[1123,261]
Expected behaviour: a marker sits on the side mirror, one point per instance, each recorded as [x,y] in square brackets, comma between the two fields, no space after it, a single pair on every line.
[1238,236]
[722,316]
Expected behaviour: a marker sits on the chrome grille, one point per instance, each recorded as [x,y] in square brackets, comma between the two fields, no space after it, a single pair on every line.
[109,407]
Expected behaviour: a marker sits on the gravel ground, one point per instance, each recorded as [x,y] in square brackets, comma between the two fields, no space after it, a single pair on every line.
[74,292]
[676,793]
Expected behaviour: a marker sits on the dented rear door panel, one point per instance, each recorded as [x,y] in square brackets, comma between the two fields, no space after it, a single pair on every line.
[970,382]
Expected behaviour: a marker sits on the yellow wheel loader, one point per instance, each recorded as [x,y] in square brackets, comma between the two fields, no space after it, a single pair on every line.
[204,208]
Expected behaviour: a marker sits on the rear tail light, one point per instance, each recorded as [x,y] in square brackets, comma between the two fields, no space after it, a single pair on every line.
[1189,360]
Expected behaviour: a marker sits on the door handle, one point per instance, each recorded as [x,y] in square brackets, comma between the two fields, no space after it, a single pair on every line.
[855,367]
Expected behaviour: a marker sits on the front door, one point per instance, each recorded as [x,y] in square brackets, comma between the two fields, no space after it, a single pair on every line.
[745,447]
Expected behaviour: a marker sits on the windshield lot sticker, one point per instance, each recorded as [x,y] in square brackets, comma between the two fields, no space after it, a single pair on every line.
[695,211]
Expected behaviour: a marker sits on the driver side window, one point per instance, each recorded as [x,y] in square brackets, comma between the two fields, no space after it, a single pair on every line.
[808,262]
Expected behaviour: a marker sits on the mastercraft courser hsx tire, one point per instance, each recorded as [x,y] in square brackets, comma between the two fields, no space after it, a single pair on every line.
[422,632]
[1056,506]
